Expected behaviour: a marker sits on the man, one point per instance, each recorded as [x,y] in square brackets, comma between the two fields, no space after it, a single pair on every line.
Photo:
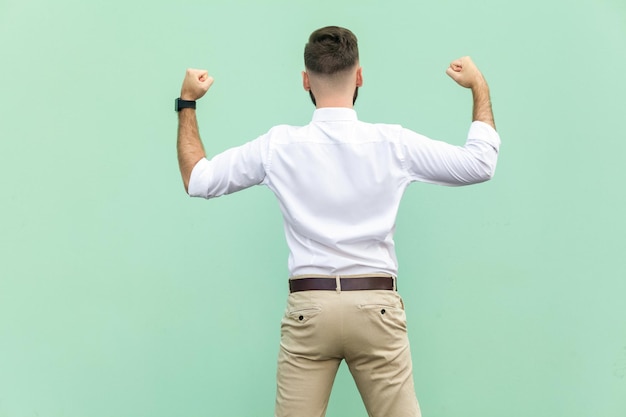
[339,182]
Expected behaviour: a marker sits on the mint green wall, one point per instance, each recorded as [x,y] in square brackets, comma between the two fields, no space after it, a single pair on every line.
[120,297]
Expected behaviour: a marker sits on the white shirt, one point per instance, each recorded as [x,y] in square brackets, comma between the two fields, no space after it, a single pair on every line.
[339,182]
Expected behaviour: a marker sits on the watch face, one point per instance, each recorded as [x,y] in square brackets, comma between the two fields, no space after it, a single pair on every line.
[176,104]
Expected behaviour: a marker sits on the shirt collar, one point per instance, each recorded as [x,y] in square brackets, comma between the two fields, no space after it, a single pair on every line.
[334,114]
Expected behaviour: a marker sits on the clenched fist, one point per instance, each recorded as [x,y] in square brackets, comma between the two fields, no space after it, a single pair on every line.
[195,85]
[465,72]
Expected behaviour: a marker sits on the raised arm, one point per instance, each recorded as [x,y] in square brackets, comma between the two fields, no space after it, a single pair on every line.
[466,74]
[189,146]
[442,163]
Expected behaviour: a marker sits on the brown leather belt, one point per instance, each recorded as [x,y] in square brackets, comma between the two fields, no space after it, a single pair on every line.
[347,284]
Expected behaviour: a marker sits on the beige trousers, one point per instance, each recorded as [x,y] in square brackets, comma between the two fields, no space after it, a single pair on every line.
[368,330]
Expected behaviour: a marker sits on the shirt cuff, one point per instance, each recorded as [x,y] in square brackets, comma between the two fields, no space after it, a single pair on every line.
[484,132]
[199,177]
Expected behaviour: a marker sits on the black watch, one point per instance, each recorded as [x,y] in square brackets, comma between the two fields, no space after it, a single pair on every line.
[184,104]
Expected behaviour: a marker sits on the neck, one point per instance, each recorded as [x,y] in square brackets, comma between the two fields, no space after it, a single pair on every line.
[345,100]
[322,102]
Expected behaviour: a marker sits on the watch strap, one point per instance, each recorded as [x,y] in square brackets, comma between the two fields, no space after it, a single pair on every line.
[184,104]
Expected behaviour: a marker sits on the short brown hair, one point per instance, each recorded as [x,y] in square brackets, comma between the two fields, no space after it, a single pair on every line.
[330,50]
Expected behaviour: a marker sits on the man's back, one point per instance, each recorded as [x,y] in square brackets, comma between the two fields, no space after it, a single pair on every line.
[339,182]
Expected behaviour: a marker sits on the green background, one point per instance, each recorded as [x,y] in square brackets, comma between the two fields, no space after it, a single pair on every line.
[121,297]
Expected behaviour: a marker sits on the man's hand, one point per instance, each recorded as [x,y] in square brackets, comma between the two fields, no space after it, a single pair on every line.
[196,83]
[465,73]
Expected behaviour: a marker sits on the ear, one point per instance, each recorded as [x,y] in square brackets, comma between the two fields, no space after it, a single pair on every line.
[359,77]
[305,81]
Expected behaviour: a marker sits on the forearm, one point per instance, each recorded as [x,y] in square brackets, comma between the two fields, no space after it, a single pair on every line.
[467,75]
[189,146]
[482,111]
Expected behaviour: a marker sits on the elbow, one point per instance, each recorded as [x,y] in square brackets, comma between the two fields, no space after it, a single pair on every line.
[480,165]
[487,173]
[481,172]
[484,166]
[186,167]
[185,183]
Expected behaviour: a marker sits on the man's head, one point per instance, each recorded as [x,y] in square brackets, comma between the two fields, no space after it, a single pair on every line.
[331,58]
[331,50]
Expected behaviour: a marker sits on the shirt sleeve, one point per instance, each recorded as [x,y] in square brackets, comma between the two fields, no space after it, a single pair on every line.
[230,171]
[437,162]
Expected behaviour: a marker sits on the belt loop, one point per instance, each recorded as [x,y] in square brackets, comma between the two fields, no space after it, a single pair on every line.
[395,283]
[338,281]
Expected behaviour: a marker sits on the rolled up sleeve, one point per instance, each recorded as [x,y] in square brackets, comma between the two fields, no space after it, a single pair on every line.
[230,171]
[441,163]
